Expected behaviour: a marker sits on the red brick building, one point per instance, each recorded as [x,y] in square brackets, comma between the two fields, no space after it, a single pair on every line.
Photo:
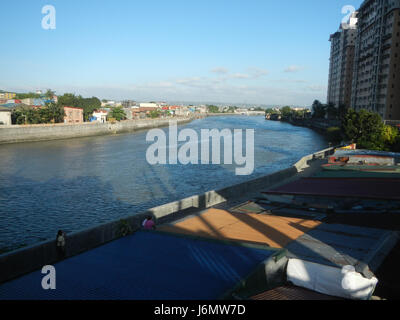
[73,115]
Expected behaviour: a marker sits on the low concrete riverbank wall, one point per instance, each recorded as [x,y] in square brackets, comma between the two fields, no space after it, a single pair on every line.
[28,259]
[22,133]
[321,126]
[44,132]
[249,113]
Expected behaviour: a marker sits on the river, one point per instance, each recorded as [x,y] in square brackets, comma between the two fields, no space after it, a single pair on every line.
[78,183]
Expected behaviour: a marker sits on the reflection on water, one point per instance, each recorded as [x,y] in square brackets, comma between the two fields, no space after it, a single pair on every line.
[75,184]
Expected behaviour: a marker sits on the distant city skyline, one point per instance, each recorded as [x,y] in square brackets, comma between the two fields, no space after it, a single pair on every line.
[233,52]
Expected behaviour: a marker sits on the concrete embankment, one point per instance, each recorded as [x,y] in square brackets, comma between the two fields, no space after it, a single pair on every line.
[249,113]
[318,125]
[26,133]
[28,259]
[43,132]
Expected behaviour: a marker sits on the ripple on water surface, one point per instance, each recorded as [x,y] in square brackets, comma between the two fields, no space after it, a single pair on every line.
[75,184]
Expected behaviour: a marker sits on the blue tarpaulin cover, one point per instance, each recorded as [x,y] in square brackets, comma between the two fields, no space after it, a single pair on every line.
[145,265]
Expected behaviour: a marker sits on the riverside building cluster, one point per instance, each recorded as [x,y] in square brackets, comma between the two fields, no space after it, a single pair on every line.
[364,60]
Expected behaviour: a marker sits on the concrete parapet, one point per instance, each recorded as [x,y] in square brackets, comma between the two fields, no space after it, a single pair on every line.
[42,132]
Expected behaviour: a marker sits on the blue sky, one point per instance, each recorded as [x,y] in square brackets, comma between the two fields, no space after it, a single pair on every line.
[253,51]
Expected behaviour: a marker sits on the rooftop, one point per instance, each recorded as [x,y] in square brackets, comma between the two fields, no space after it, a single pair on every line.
[221,251]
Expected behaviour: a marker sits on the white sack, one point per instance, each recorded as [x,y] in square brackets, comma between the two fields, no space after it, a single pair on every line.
[345,282]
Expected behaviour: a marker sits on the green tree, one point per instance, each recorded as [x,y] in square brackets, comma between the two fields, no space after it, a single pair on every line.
[49,94]
[87,104]
[331,111]
[117,113]
[364,128]
[271,111]
[154,114]
[33,116]
[17,117]
[69,100]
[390,136]
[231,109]
[27,95]
[212,109]
[51,113]
[334,135]
[286,112]
[299,114]
[44,115]
[319,110]
[55,113]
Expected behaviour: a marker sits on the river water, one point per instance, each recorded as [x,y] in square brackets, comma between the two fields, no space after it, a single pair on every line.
[78,183]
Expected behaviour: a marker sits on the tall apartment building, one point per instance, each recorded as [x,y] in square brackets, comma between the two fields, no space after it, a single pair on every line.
[341,63]
[376,77]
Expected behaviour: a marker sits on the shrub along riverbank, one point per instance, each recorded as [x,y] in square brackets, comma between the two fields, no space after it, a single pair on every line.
[364,128]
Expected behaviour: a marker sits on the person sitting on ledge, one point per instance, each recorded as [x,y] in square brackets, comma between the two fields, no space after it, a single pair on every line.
[60,243]
[148,223]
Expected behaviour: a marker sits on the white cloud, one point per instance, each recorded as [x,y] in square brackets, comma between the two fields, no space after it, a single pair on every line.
[220,70]
[293,80]
[226,87]
[293,69]
[188,81]
[203,90]
[251,73]
[257,72]
[239,76]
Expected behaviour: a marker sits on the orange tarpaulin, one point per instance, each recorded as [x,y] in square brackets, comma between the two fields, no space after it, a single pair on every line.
[274,231]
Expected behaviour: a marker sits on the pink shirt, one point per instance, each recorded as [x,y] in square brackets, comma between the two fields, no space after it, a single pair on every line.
[149,224]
